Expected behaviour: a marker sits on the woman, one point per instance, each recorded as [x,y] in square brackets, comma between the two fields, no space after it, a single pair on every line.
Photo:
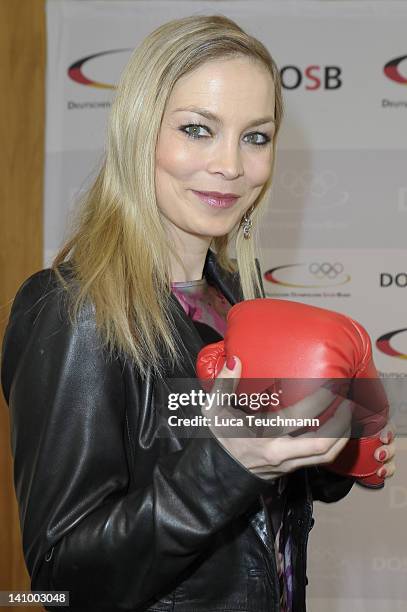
[115,506]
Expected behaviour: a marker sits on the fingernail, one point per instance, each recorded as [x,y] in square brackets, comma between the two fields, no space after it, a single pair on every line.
[230,363]
[389,437]
[382,472]
[382,455]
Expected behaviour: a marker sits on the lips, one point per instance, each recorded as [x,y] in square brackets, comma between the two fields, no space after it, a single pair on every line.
[217,199]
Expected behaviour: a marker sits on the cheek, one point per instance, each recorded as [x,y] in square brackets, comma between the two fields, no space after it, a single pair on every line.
[258,169]
[175,159]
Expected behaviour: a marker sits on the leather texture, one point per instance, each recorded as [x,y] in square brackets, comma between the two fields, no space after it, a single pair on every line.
[295,348]
[116,506]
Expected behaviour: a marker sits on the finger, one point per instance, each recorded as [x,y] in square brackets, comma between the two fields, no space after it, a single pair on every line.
[384,453]
[221,394]
[387,471]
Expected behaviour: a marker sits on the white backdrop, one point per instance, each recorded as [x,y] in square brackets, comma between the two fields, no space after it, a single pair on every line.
[335,234]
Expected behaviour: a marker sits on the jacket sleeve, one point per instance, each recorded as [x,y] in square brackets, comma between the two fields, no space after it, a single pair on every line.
[84,530]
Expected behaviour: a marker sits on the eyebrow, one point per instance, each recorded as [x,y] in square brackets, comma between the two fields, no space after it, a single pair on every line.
[213,117]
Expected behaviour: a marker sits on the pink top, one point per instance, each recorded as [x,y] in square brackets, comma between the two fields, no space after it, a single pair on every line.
[203,302]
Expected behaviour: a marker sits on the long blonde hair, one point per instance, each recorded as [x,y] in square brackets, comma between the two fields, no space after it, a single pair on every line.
[118,248]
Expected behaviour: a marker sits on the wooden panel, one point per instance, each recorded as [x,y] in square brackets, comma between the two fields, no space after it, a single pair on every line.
[22,78]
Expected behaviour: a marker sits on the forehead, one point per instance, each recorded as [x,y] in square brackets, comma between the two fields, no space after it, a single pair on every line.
[238,84]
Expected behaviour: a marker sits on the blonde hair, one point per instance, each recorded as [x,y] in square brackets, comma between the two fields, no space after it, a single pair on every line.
[118,246]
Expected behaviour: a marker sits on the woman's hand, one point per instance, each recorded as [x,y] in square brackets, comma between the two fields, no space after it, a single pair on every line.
[280,453]
[386,453]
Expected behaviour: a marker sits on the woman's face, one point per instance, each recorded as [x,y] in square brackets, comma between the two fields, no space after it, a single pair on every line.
[216,136]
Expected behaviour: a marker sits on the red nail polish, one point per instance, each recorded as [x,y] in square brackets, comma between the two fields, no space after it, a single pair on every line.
[230,363]
[382,455]
[382,472]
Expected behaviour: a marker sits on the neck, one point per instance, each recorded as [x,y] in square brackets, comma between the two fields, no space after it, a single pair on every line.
[192,251]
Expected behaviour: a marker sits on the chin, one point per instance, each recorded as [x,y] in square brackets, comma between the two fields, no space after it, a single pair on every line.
[213,232]
[217,226]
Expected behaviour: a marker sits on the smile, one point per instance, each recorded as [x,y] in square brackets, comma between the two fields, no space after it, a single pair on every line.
[215,200]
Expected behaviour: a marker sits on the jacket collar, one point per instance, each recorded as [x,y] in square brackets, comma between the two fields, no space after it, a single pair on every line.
[227,282]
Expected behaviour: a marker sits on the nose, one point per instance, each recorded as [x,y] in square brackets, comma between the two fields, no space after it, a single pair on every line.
[226,159]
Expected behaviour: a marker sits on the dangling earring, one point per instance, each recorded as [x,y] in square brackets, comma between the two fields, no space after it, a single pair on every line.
[247,224]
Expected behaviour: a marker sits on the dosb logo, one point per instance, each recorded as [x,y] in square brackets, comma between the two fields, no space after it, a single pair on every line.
[389,280]
[313,77]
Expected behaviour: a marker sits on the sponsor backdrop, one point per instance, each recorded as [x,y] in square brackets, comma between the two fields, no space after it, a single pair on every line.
[335,233]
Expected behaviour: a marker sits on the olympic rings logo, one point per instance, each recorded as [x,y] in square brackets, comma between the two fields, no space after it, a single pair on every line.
[316,275]
[325,270]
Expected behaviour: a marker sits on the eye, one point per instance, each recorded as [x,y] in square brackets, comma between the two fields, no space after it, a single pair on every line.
[264,137]
[194,130]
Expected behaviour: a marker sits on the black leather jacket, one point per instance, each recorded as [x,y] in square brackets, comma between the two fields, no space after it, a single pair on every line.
[117,514]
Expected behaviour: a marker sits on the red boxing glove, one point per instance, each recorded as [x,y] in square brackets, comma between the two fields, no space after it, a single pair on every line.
[277,340]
